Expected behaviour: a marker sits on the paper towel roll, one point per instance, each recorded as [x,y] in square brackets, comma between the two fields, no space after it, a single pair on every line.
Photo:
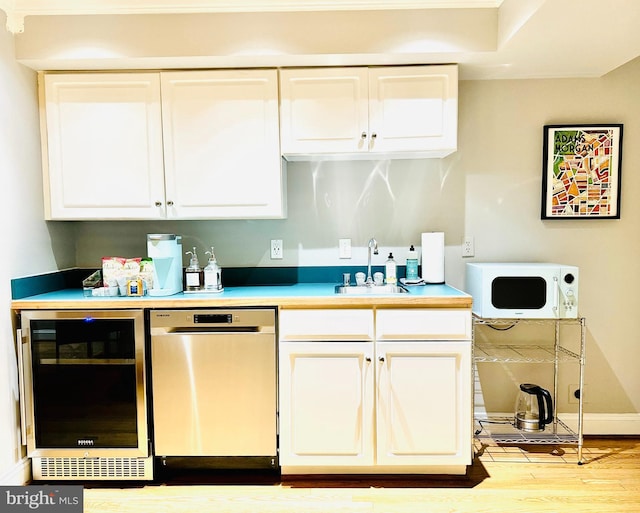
[433,257]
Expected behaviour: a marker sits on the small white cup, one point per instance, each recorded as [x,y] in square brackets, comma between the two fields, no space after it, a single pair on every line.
[378,278]
[360,277]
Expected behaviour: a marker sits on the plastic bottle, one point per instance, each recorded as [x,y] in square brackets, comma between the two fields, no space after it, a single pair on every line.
[212,273]
[412,264]
[390,270]
[194,275]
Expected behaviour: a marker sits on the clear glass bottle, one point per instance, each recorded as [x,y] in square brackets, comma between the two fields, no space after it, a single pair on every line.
[193,274]
[212,273]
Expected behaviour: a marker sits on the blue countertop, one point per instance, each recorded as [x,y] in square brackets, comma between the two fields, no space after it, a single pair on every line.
[294,295]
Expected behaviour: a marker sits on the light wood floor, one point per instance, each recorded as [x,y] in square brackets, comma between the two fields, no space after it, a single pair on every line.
[502,479]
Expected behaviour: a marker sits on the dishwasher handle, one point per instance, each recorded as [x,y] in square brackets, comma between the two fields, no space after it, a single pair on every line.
[210,330]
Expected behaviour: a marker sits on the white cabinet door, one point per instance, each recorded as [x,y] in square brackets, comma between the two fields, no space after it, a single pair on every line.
[104,142]
[326,403]
[221,142]
[399,111]
[423,403]
[324,110]
[413,108]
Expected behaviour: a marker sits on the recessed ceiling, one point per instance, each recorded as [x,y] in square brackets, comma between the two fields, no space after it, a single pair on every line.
[489,39]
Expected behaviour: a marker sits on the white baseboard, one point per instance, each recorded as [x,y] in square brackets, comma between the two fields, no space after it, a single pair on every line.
[605,423]
[17,475]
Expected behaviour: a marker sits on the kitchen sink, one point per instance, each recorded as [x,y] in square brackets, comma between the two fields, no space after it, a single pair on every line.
[371,289]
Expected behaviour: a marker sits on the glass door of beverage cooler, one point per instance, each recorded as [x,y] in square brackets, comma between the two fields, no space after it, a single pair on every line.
[84,379]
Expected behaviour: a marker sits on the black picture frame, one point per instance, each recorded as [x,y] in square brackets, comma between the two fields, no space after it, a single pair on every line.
[581,171]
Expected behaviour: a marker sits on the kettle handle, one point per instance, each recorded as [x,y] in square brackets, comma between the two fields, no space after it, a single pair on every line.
[545,405]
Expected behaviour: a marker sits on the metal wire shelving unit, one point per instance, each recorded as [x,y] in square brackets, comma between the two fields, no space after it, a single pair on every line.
[501,429]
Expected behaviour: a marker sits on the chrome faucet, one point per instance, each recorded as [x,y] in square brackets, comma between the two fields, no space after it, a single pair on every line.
[373,244]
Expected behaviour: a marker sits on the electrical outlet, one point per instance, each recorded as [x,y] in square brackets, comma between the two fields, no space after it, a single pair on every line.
[344,246]
[276,249]
[574,394]
[468,249]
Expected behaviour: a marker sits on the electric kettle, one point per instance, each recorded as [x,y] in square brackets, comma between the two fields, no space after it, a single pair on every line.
[534,408]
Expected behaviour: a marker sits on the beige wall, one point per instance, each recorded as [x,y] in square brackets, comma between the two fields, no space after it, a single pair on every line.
[490,189]
[501,155]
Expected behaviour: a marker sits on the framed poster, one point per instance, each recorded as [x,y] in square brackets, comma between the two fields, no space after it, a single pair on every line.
[581,171]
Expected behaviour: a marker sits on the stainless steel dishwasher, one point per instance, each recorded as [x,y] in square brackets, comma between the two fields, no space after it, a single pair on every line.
[214,387]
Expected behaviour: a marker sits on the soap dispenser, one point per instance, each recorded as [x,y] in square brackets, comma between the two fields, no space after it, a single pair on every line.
[390,270]
[212,274]
[412,264]
[194,275]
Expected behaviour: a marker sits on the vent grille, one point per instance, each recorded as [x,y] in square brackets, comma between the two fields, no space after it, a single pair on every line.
[93,468]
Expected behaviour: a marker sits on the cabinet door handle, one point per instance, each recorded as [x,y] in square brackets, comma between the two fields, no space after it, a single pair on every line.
[363,135]
[374,135]
[381,358]
[367,359]
[158,203]
[170,203]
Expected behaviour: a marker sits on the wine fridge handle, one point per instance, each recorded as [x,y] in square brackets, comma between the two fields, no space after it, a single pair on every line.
[21,385]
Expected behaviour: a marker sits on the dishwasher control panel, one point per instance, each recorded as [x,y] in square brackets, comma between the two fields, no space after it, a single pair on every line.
[209,318]
[257,318]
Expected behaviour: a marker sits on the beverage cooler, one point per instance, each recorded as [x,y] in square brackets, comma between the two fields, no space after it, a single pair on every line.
[83,388]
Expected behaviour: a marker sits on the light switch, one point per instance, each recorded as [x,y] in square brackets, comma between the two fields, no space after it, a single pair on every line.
[344,246]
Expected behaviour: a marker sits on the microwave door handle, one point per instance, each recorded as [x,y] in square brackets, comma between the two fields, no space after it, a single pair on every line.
[556,296]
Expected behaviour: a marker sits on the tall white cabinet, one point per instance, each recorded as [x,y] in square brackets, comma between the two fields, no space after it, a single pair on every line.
[103,136]
[175,145]
[221,144]
[375,390]
[398,111]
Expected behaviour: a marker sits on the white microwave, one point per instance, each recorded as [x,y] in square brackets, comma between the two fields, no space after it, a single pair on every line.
[523,290]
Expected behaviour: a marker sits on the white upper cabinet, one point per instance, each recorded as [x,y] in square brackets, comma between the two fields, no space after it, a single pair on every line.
[176,145]
[413,109]
[221,144]
[104,140]
[395,111]
[324,110]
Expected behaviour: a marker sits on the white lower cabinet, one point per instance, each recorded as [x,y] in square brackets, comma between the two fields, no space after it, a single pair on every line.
[423,403]
[326,398]
[353,401]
